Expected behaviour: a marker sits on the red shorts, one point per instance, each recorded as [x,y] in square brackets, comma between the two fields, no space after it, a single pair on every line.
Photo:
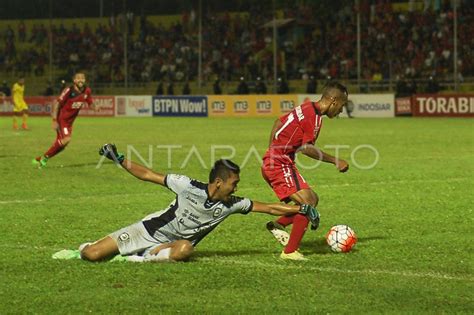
[64,130]
[283,177]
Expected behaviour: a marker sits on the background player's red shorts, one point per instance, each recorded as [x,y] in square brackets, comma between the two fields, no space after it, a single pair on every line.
[284,177]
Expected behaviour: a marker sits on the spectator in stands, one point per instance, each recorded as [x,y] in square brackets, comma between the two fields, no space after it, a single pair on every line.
[5,89]
[186,88]
[170,88]
[159,89]
[282,87]
[242,88]
[260,87]
[49,89]
[401,88]
[217,87]
[312,85]
[411,86]
[239,42]
[22,32]
[432,85]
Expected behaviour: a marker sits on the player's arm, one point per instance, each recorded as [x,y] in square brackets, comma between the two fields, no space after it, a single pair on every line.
[54,114]
[143,173]
[275,208]
[137,170]
[318,154]
[91,101]
[276,125]
[284,209]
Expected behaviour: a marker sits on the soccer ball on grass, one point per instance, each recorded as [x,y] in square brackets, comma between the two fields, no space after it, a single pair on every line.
[341,238]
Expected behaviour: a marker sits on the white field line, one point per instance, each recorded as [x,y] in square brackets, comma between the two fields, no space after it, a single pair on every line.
[107,196]
[380,183]
[283,265]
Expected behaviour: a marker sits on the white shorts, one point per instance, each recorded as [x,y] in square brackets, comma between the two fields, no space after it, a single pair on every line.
[134,240]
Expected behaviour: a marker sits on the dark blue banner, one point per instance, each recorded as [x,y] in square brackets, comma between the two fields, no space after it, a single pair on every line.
[191,106]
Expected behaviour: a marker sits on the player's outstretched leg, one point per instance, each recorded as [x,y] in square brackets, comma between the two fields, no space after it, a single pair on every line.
[100,250]
[278,232]
[180,250]
[58,145]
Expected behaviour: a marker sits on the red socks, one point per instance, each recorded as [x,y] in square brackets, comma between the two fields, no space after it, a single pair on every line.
[300,223]
[55,149]
[285,220]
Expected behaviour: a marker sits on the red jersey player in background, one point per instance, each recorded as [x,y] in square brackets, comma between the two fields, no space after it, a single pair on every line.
[295,132]
[64,112]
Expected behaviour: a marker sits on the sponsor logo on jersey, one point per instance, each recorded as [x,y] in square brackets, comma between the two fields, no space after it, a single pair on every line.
[76,105]
[217,212]
[124,237]
[188,197]
[299,113]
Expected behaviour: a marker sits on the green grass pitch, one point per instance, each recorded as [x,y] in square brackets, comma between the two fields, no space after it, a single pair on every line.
[412,212]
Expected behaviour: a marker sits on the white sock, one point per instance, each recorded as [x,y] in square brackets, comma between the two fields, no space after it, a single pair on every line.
[163,255]
[135,258]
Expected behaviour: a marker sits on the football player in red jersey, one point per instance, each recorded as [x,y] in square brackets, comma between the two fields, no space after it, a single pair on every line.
[65,110]
[296,132]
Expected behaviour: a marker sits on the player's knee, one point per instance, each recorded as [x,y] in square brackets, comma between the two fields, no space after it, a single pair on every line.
[315,200]
[91,253]
[65,141]
[182,250]
[311,198]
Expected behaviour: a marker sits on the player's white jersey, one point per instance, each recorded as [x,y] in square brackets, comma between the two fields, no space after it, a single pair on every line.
[191,216]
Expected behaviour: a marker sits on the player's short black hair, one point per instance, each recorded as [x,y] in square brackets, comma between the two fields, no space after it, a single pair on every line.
[222,169]
[334,85]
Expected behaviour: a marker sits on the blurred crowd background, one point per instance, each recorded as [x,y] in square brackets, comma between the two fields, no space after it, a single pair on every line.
[183,47]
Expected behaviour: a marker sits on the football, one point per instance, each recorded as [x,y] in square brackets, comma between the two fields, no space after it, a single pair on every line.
[341,238]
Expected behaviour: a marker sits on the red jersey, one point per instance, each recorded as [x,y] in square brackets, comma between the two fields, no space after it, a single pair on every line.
[70,103]
[300,126]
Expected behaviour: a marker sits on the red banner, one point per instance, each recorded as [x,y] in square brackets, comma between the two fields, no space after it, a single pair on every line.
[42,105]
[403,106]
[443,105]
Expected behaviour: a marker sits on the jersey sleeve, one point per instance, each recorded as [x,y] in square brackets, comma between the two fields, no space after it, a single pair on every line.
[177,183]
[241,205]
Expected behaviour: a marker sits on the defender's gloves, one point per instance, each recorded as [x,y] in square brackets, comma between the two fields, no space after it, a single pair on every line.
[312,214]
[110,151]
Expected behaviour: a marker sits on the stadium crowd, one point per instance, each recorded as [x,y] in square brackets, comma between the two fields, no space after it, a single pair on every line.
[412,44]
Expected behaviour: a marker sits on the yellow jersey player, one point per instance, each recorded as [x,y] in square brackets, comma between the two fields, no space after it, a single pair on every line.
[19,105]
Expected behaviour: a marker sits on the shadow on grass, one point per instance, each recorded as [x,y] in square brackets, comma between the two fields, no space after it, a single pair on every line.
[72,165]
[320,246]
[11,156]
[227,253]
